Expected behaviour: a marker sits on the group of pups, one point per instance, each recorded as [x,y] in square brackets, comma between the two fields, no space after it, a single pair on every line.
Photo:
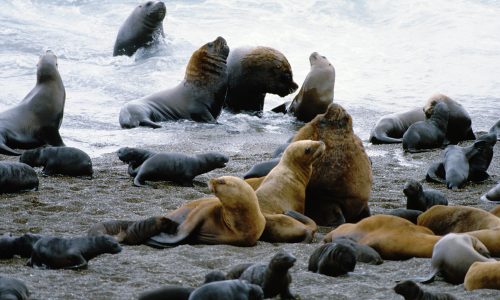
[322,176]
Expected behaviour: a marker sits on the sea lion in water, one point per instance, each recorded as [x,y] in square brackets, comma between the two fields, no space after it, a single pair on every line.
[341,180]
[428,134]
[70,253]
[316,92]
[483,275]
[142,28]
[411,291]
[492,195]
[459,121]
[495,129]
[36,120]
[332,259]
[15,177]
[177,167]
[419,199]
[22,246]
[59,160]
[253,72]
[199,97]
[13,289]
[364,253]
[228,290]
[233,217]
[390,129]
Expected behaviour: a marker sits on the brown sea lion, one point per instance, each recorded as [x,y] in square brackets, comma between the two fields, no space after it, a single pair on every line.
[390,129]
[341,181]
[490,238]
[233,217]
[199,97]
[253,72]
[483,275]
[316,92]
[496,210]
[411,291]
[392,237]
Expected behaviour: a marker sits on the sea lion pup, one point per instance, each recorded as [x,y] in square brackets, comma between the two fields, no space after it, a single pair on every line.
[392,237]
[59,160]
[445,219]
[496,129]
[390,129]
[341,181]
[282,194]
[411,291]
[142,28]
[332,259]
[483,275]
[364,253]
[177,167]
[70,253]
[232,217]
[134,157]
[428,134]
[481,158]
[253,72]
[493,195]
[274,277]
[22,246]
[36,120]
[407,214]
[459,121]
[419,199]
[131,232]
[13,289]
[17,177]
[452,256]
[316,92]
[228,290]
[199,97]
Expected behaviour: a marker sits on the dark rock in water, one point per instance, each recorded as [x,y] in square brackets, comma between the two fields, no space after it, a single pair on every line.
[411,291]
[333,259]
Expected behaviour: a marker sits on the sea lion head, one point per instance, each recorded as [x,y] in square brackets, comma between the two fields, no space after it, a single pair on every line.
[230,187]
[107,244]
[24,244]
[407,288]
[304,152]
[335,117]
[342,259]
[282,260]
[217,160]
[47,67]
[412,188]
[31,157]
[316,59]
[431,103]
[154,11]
[208,63]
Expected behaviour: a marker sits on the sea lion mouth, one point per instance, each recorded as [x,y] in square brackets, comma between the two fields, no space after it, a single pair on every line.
[221,46]
[313,57]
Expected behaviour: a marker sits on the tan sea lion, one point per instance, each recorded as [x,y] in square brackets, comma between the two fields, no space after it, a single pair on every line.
[232,217]
[483,275]
[490,238]
[341,181]
[495,211]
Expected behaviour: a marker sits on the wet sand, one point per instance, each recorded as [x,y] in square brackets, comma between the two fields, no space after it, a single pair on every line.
[66,206]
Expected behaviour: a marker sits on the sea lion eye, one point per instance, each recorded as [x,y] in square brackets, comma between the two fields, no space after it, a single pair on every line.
[308,150]
[323,57]
[210,44]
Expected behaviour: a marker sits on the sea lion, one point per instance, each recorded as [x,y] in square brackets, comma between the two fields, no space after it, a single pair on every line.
[70,253]
[59,160]
[134,157]
[411,291]
[428,134]
[15,177]
[364,253]
[483,275]
[332,259]
[261,169]
[253,72]
[341,181]
[199,97]
[228,290]
[13,289]
[177,167]
[173,292]
[496,210]
[408,214]
[232,217]
[22,246]
[392,237]
[445,219]
[496,129]
[36,120]
[316,92]
[142,28]
[282,194]
[492,195]
[131,232]
[419,199]
[390,129]
[490,238]
[459,121]
[481,159]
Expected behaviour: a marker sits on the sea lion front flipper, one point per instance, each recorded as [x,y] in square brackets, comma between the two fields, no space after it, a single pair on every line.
[52,137]
[76,262]
[4,149]
[282,108]
[436,173]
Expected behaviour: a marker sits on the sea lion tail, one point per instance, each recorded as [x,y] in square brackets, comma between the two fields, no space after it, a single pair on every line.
[4,149]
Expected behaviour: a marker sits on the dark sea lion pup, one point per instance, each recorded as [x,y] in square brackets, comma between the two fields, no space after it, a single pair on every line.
[141,28]
[35,121]
[391,128]
[496,129]
[419,199]
[411,291]
[13,289]
[228,290]
[22,246]
[134,157]
[332,259]
[199,97]
[16,177]
[364,253]
[407,214]
[428,134]
[59,160]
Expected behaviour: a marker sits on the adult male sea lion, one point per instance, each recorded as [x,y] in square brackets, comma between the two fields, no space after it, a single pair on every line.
[142,28]
[232,217]
[15,177]
[483,275]
[228,290]
[493,194]
[411,291]
[199,97]
[390,128]
[253,72]
[341,181]
[428,134]
[59,160]
[419,199]
[316,92]
[13,289]
[36,120]
[332,259]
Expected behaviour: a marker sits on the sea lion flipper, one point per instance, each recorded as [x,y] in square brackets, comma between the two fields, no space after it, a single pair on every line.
[4,149]
[149,123]
[436,173]
[282,108]
[429,279]
[284,228]
[77,262]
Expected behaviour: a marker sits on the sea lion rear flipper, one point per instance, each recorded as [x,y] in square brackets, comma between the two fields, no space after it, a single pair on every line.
[149,123]
[77,262]
[436,173]
[4,149]
[281,108]
[383,138]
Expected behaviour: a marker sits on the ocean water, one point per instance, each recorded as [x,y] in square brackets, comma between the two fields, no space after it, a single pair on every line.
[389,56]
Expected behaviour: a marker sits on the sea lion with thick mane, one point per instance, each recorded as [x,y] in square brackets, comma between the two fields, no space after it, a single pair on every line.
[16,177]
[142,28]
[428,134]
[390,129]
[253,72]
[59,160]
[228,290]
[13,289]
[232,217]
[492,195]
[411,291]
[332,259]
[199,97]
[36,120]
[341,180]
[459,121]
[483,275]
[418,198]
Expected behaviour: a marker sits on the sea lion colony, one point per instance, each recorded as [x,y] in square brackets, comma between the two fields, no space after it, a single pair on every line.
[323,177]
